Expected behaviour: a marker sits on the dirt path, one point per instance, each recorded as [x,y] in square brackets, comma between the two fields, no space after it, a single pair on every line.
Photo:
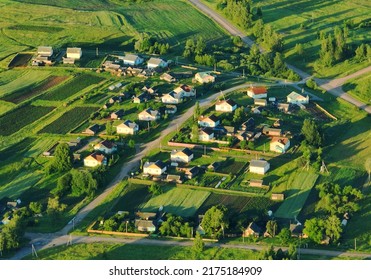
[332,86]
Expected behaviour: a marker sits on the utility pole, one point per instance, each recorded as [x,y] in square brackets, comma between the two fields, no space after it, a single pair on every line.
[127,226]
[96,52]
[355,244]
[69,242]
[34,253]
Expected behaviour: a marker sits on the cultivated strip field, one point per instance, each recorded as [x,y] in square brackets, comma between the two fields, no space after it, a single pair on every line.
[296,197]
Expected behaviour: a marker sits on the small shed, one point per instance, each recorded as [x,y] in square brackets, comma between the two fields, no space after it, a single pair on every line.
[278,196]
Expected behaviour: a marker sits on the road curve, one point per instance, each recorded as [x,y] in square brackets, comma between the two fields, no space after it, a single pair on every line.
[331,86]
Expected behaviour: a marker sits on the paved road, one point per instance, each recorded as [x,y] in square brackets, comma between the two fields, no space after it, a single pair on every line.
[332,86]
[42,243]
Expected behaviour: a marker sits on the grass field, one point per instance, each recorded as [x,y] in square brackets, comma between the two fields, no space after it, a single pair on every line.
[72,87]
[20,117]
[181,202]
[69,120]
[15,80]
[360,88]
[23,94]
[299,186]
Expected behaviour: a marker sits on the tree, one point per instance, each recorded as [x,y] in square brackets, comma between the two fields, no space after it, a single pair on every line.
[215,221]
[198,247]
[62,158]
[36,207]
[54,207]
[272,228]
[82,182]
[109,128]
[333,228]
[131,144]
[299,50]
[243,144]
[195,133]
[238,115]
[197,111]
[312,133]
[63,185]
[361,52]
[314,229]
[11,233]
[155,189]
[284,235]
[368,168]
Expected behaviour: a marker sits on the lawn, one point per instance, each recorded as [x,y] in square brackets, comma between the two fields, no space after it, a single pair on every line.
[298,187]
[21,117]
[181,202]
[360,88]
[78,83]
[69,120]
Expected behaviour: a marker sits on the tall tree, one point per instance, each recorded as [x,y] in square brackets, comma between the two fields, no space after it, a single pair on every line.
[215,221]
[272,228]
[314,229]
[197,111]
[312,133]
[194,133]
[333,228]
[198,247]
[62,158]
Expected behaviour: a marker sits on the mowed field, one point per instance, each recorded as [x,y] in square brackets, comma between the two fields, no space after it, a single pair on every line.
[299,186]
[181,202]
[360,88]
[69,120]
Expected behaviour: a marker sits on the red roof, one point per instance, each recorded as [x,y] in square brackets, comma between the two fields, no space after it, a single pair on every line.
[258,90]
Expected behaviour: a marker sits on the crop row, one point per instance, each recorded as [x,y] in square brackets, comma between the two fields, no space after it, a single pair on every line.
[69,120]
[20,117]
[72,87]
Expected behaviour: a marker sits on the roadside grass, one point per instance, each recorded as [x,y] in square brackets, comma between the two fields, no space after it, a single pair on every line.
[353,88]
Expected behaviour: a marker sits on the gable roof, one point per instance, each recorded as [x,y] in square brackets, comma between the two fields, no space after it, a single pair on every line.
[95,128]
[205,74]
[155,60]
[96,156]
[118,112]
[211,118]
[228,101]
[207,130]
[186,152]
[150,111]
[258,163]
[296,96]
[74,50]
[258,90]
[282,140]
[128,124]
[44,49]
[131,57]
[156,164]
[271,129]
[254,227]
[183,87]
[107,144]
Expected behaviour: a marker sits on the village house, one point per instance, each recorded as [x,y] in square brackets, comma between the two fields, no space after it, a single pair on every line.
[74,53]
[127,127]
[229,130]
[107,147]
[248,125]
[269,131]
[255,183]
[92,130]
[172,98]
[296,98]
[204,77]
[110,65]
[132,59]
[149,115]
[142,98]
[257,92]
[155,62]
[252,230]
[277,196]
[211,121]
[283,107]
[150,90]
[115,99]
[257,110]
[117,115]
[172,178]
[154,168]
[260,102]
[225,106]
[205,134]
[184,156]
[145,221]
[191,172]
[94,160]
[279,144]
[169,109]
[259,166]
[167,78]
[185,91]
[45,51]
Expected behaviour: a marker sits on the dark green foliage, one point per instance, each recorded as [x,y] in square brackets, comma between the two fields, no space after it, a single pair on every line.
[272,228]
[175,226]
[284,235]
[155,189]
[11,234]
[272,254]
[312,133]
[146,43]
[315,229]
[215,221]
[63,185]
[20,117]
[82,182]
[62,158]
[198,247]
[36,207]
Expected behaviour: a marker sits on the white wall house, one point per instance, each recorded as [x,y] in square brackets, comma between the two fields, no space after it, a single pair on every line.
[205,134]
[155,62]
[296,98]
[45,51]
[132,59]
[257,92]
[154,168]
[184,156]
[74,53]
[211,121]
[225,106]
[279,144]
[149,115]
[107,147]
[127,127]
[95,160]
[259,166]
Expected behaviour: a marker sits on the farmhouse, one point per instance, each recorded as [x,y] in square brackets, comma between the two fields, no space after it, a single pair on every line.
[95,159]
[296,98]
[41,60]
[204,77]
[269,131]
[92,130]
[260,102]
[127,127]
[225,106]
[259,166]
[252,230]
[167,78]
[117,115]
[145,226]
[184,156]
[172,98]
[169,109]
[279,144]
[150,90]
[143,97]
[154,62]
[257,92]
[132,59]
[110,65]
[248,125]
[74,53]
[106,146]
[67,60]
[191,172]
[185,90]
[154,168]
[284,107]
[45,51]
[205,134]
[211,121]
[149,115]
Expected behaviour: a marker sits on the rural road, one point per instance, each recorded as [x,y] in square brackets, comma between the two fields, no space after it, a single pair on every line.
[331,86]
[62,240]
